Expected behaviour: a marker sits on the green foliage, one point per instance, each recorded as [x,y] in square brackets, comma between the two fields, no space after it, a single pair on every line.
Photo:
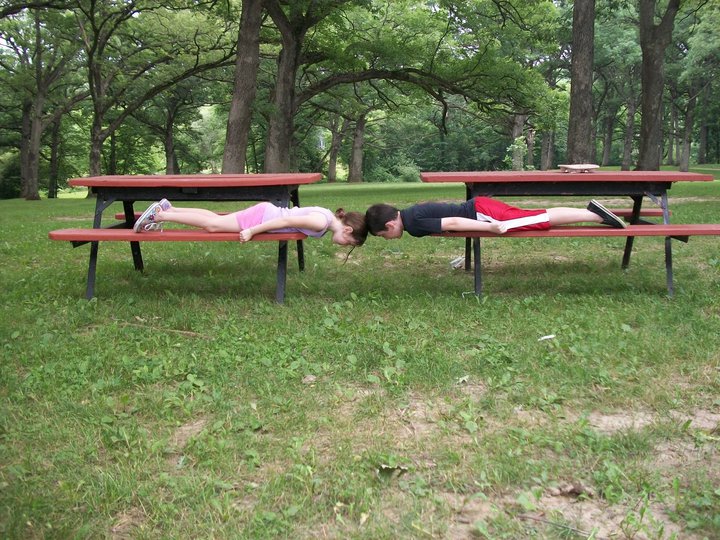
[9,176]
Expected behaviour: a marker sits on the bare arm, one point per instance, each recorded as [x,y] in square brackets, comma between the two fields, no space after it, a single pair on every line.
[470,225]
[314,221]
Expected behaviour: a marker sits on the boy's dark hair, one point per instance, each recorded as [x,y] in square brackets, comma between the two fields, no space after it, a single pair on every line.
[378,215]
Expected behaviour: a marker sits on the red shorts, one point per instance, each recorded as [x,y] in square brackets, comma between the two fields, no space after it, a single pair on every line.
[504,212]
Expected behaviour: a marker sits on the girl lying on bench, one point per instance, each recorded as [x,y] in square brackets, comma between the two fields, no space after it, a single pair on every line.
[348,228]
[478,214]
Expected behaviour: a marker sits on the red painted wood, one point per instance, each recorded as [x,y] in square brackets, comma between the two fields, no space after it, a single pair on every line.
[557,176]
[599,231]
[198,180]
[169,235]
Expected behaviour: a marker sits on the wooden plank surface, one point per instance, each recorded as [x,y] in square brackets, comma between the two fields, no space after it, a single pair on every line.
[557,176]
[599,231]
[170,235]
[198,180]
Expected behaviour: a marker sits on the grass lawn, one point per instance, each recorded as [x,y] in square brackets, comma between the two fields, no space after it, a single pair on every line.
[573,400]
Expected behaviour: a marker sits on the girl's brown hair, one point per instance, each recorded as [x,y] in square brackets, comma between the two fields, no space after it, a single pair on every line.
[356,220]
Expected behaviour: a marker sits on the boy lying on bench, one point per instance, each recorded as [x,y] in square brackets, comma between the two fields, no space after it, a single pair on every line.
[478,214]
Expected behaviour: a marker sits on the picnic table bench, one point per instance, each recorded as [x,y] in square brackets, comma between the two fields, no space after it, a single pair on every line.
[681,232]
[78,237]
[637,185]
[281,189]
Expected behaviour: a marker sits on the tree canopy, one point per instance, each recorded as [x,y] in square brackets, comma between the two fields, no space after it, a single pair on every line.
[364,90]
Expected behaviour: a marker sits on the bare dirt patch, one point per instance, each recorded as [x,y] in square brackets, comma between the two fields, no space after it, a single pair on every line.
[585,516]
[467,511]
[618,421]
[567,508]
[702,419]
[472,389]
[417,416]
[609,423]
[183,434]
[673,457]
[180,438]
[126,523]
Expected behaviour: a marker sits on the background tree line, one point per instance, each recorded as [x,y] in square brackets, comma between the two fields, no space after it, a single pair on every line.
[367,90]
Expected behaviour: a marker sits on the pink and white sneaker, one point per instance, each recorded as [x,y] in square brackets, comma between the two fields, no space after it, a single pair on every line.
[147,222]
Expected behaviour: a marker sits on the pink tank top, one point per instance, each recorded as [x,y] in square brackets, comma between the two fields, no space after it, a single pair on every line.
[273,212]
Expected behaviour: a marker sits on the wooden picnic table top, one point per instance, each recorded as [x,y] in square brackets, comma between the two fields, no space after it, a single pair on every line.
[197,180]
[557,176]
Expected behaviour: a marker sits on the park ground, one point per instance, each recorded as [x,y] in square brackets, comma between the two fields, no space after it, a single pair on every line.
[573,400]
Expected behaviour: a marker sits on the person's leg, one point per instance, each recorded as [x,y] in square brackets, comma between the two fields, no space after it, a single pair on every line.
[199,211]
[566,216]
[199,217]
[606,216]
[595,213]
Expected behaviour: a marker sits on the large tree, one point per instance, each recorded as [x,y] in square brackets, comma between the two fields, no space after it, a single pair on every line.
[39,59]
[246,69]
[580,140]
[137,50]
[656,30]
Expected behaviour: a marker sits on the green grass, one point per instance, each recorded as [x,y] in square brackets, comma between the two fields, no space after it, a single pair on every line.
[377,403]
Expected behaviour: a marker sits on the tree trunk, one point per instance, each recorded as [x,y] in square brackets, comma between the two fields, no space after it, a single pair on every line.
[678,140]
[546,150]
[518,154]
[608,135]
[112,167]
[684,160]
[670,157]
[168,134]
[629,135]
[356,154]
[338,133]
[32,136]
[25,126]
[96,144]
[654,40]
[55,142]
[702,143]
[281,128]
[580,136]
[530,149]
[171,162]
[703,127]
[246,69]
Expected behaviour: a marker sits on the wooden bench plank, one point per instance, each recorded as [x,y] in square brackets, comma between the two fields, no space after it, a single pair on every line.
[677,231]
[95,236]
[672,230]
[168,235]
[645,212]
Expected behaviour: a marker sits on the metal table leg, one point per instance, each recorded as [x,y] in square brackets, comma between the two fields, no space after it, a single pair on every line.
[134,246]
[281,272]
[295,198]
[630,240]
[477,275]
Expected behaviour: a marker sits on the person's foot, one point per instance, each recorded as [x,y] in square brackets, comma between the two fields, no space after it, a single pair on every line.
[608,218]
[147,220]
